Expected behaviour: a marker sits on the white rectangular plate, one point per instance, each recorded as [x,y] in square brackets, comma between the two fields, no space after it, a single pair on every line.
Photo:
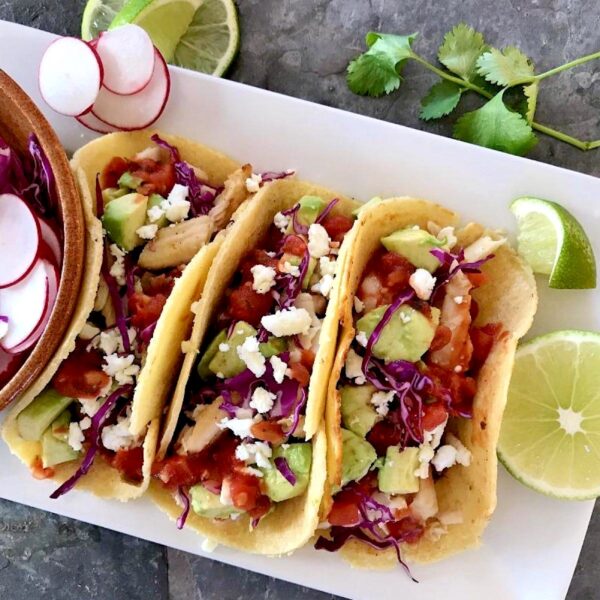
[531,546]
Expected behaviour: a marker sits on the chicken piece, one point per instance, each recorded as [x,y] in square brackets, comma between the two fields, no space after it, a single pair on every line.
[157,153]
[425,504]
[233,194]
[177,244]
[205,431]
[101,295]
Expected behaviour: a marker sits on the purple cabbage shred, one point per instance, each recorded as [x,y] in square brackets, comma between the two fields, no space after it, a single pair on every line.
[184,499]
[284,468]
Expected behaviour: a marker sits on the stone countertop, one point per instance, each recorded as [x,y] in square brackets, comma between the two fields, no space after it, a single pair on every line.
[302,49]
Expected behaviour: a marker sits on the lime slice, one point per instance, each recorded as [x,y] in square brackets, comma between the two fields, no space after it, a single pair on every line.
[550,436]
[554,243]
[97,16]
[202,35]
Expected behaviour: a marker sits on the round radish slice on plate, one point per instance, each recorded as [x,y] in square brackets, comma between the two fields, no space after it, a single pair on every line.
[51,239]
[140,110]
[127,55]
[19,239]
[25,304]
[92,122]
[70,76]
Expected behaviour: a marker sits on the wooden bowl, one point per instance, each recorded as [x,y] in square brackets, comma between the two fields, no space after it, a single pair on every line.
[19,117]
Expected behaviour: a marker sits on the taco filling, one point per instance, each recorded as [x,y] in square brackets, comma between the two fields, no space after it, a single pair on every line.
[157,211]
[240,446]
[410,376]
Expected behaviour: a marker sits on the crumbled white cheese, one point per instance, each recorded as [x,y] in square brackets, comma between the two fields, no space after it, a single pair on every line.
[225,496]
[463,455]
[425,454]
[176,206]
[255,453]
[281,222]
[88,332]
[359,305]
[327,265]
[458,369]
[117,436]
[76,437]
[109,341]
[250,354]
[444,458]
[155,214]
[279,368]
[323,286]
[353,367]
[121,368]
[240,427]
[253,183]
[381,401]
[288,267]
[446,235]
[362,339]
[482,248]
[434,436]
[290,321]
[422,282]
[220,375]
[117,269]
[147,232]
[264,278]
[85,423]
[405,317]
[318,240]
[262,400]
[459,299]
[90,407]
[253,471]
[223,347]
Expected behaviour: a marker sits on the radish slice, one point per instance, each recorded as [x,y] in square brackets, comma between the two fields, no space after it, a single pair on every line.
[25,304]
[50,237]
[53,279]
[92,122]
[127,55]
[19,239]
[70,76]
[140,110]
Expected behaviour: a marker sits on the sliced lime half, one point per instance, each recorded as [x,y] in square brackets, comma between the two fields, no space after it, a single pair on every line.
[97,16]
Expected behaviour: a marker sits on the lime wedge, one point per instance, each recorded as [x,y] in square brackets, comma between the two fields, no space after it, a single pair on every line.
[550,435]
[97,16]
[554,243]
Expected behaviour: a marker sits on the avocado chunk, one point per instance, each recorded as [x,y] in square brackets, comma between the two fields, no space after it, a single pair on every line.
[60,426]
[127,180]
[157,200]
[228,363]
[123,217]
[357,457]
[110,194]
[299,459]
[210,352]
[55,451]
[358,414]
[310,208]
[272,347]
[415,245]
[209,505]
[407,335]
[39,415]
[397,476]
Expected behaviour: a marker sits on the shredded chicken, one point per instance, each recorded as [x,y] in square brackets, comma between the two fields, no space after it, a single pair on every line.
[425,504]
[157,153]
[205,431]
[233,194]
[101,295]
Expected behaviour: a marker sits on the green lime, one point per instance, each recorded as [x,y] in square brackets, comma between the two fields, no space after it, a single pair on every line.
[554,243]
[97,16]
[202,35]
[550,435]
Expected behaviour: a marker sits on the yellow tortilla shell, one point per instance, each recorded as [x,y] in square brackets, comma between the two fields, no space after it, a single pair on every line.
[293,522]
[510,297]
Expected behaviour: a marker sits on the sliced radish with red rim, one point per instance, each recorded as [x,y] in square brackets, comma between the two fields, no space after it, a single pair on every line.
[140,110]
[70,76]
[92,122]
[52,241]
[128,58]
[19,239]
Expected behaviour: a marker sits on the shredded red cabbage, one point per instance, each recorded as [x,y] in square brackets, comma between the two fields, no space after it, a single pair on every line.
[327,210]
[447,259]
[184,499]
[117,301]
[284,468]
[98,421]
[147,333]
[99,198]
[288,286]
[273,175]
[4,318]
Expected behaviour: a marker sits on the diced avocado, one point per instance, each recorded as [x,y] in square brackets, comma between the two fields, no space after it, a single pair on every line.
[397,476]
[358,414]
[209,505]
[299,459]
[273,346]
[157,200]
[357,457]
[312,264]
[366,205]
[203,368]
[55,451]
[127,180]
[110,194]
[123,217]
[415,245]
[60,426]
[228,363]
[310,208]
[39,415]
[407,335]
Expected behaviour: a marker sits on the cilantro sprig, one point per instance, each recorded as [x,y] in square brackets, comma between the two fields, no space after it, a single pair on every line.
[505,77]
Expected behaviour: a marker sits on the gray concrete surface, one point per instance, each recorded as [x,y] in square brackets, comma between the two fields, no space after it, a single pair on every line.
[301,48]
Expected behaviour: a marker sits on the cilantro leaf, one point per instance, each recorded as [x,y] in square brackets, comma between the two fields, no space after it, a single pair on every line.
[377,71]
[531,93]
[506,67]
[460,50]
[442,99]
[495,126]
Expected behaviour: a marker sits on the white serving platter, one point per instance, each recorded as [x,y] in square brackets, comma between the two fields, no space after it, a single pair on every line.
[531,547]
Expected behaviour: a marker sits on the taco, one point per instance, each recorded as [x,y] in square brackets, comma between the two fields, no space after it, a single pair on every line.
[96,408]
[430,318]
[243,452]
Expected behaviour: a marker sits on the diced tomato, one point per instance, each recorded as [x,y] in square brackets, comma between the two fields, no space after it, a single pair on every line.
[462,389]
[300,373]
[442,336]
[157,284]
[113,171]
[145,310]
[433,414]
[129,462]
[294,244]
[268,431]
[245,304]
[408,530]
[157,177]
[483,339]
[253,258]
[477,279]
[245,491]
[263,505]
[401,513]
[307,358]
[337,226]
[80,375]
[383,435]
[394,271]
[38,471]
[345,511]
